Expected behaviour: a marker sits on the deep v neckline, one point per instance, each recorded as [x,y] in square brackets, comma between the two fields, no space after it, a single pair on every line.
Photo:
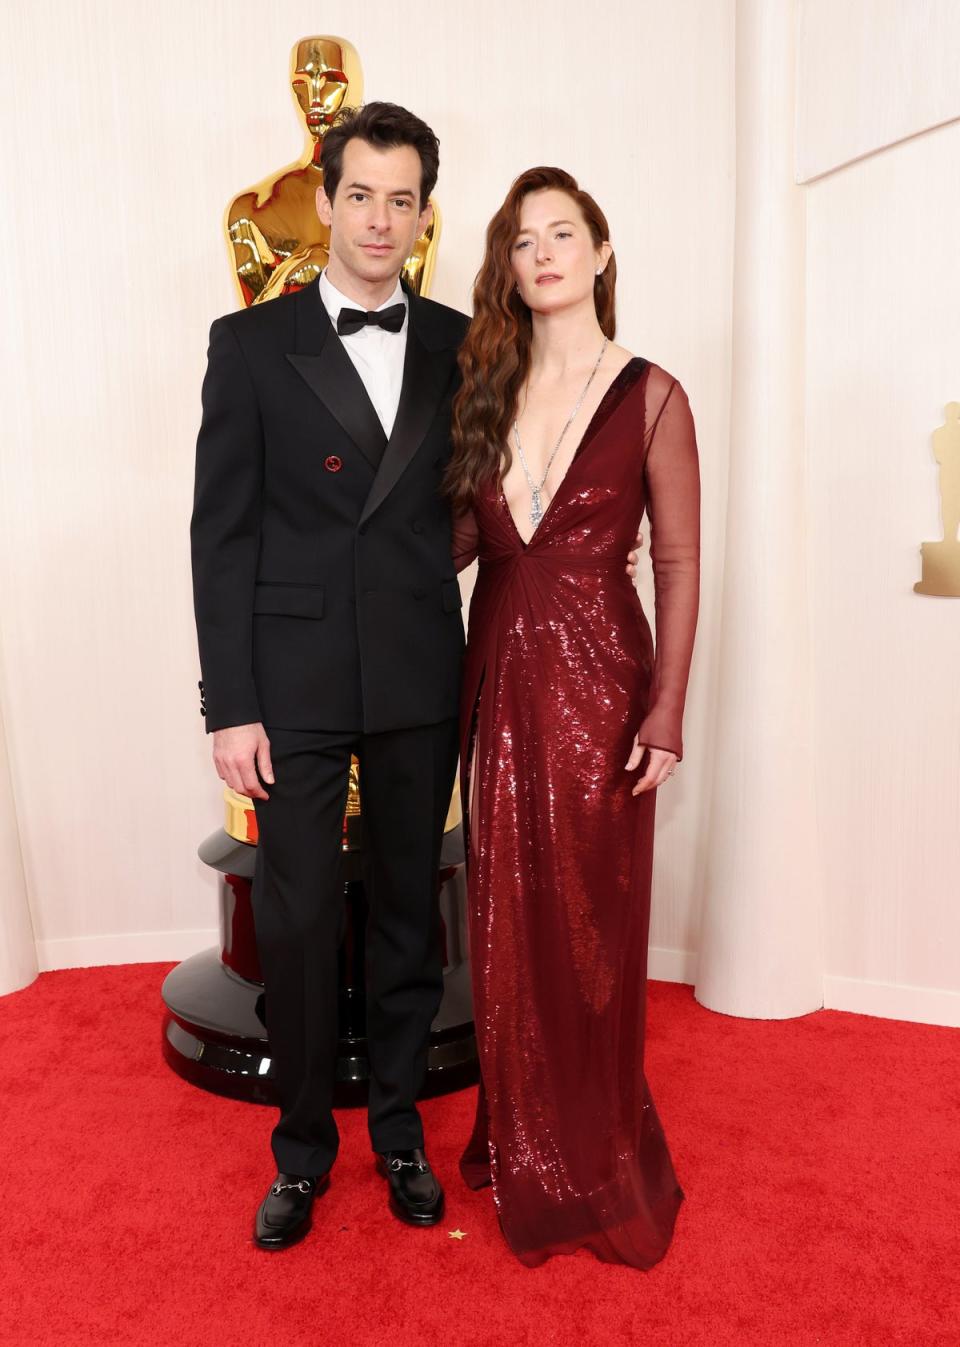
[593,425]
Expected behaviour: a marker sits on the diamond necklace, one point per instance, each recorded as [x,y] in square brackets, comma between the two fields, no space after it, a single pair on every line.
[536,503]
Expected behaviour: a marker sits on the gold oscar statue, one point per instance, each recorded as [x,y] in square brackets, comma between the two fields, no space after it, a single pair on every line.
[277,241]
[941,560]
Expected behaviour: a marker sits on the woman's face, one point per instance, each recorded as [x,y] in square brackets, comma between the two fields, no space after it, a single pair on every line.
[554,258]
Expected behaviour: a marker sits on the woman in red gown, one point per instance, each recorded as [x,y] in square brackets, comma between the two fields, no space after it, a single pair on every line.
[571,721]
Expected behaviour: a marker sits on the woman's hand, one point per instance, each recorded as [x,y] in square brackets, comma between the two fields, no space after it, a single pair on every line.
[661,765]
[633,557]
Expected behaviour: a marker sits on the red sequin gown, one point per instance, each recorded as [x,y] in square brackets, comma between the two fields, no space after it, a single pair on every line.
[560,674]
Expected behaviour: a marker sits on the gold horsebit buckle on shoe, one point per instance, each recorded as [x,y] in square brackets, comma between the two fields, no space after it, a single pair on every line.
[303,1186]
[397,1165]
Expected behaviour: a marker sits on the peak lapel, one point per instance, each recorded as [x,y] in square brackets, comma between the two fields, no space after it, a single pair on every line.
[426,377]
[328,371]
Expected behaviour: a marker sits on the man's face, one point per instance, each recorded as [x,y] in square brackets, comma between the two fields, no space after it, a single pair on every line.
[375,216]
[319,84]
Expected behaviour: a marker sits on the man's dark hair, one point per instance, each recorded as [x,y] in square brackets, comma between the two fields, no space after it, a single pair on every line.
[385,126]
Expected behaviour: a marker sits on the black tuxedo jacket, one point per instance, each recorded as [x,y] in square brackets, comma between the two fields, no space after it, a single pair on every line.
[324,590]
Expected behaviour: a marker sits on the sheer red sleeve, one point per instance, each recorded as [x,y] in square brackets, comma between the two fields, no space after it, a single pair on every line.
[672,475]
[466,540]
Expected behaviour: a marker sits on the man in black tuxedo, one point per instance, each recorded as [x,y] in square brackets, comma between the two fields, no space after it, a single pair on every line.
[328,615]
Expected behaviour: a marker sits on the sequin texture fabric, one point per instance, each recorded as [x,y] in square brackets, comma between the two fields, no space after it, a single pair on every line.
[560,673]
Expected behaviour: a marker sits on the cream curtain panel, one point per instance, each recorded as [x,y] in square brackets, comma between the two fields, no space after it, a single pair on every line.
[18,954]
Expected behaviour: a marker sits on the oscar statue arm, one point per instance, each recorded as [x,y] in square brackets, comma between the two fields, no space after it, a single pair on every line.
[252,257]
[295,271]
[419,267]
[225,531]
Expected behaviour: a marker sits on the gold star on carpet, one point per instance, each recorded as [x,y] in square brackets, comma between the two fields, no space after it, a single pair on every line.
[457,1234]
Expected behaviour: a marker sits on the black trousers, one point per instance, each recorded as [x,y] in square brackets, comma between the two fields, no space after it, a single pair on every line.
[406,780]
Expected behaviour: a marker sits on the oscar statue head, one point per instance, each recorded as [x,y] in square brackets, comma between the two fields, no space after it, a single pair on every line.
[326,76]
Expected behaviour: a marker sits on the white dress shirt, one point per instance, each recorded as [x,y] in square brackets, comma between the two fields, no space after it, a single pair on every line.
[377,354]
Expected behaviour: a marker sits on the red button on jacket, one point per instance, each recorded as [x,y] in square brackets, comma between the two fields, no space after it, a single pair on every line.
[333,464]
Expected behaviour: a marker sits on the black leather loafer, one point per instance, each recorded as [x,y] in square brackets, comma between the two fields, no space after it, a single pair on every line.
[283,1216]
[415,1193]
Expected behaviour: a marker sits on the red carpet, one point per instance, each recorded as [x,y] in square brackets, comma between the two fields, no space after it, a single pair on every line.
[819,1156]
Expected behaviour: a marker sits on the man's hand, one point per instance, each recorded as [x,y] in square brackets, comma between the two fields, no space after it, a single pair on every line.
[237,753]
[661,765]
[632,558]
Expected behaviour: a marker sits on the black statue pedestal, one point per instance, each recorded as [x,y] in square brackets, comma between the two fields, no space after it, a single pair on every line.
[214,1033]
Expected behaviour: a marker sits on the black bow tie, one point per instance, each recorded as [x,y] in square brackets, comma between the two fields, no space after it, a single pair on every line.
[352,320]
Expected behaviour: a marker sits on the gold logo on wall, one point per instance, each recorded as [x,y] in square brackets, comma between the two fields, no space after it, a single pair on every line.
[941,560]
[277,241]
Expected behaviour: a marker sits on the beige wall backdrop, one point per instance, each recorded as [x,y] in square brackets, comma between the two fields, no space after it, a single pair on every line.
[883,359]
[780,179]
[132,126]
[878,128]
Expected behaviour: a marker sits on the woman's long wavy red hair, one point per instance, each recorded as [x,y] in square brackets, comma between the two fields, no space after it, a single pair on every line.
[495,356]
